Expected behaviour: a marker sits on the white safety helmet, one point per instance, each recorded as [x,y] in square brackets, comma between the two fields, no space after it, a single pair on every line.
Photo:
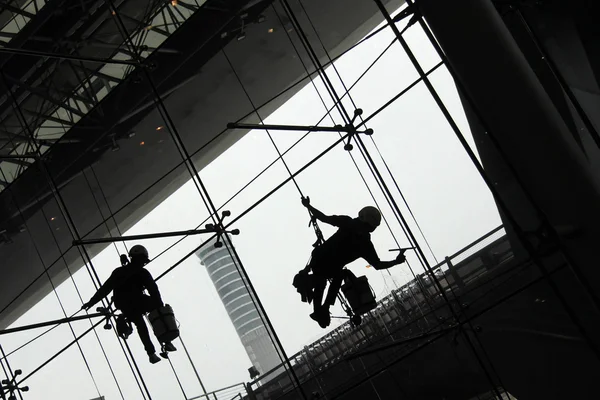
[370,215]
[138,252]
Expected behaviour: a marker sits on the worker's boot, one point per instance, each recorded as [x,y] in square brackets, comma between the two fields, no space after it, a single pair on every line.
[169,347]
[153,358]
[321,315]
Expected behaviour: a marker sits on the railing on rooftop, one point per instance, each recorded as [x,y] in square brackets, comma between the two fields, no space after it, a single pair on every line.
[233,392]
[407,303]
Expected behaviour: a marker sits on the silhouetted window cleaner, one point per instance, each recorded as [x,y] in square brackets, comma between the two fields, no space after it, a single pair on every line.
[128,284]
[351,242]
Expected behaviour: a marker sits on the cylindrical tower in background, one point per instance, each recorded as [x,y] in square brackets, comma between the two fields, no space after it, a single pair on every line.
[242,311]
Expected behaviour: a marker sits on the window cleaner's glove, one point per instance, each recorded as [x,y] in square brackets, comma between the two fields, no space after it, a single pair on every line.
[306,201]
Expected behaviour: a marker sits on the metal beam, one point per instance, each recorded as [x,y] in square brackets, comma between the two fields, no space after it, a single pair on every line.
[178,11]
[34,53]
[41,93]
[190,7]
[148,27]
[16,156]
[53,322]
[174,19]
[49,142]
[17,10]
[338,128]
[18,162]
[85,83]
[98,74]
[152,236]
[13,135]
[90,42]
[47,117]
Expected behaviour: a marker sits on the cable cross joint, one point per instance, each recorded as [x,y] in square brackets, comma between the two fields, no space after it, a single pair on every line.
[219,228]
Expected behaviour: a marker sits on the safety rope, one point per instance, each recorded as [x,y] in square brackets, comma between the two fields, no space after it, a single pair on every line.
[111,215]
[318,36]
[41,259]
[121,234]
[364,155]
[313,219]
[337,104]
[187,353]
[235,195]
[184,154]
[60,201]
[82,301]
[347,93]
[320,240]
[177,378]
[404,200]
[101,190]
[256,204]
[370,161]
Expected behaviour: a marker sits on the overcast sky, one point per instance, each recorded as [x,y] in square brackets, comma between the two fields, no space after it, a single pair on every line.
[443,189]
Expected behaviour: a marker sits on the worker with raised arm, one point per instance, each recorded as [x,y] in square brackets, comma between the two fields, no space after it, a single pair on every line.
[350,242]
[128,284]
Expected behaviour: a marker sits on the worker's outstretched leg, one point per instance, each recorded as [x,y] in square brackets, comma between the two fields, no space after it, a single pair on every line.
[319,289]
[142,329]
[334,288]
[321,313]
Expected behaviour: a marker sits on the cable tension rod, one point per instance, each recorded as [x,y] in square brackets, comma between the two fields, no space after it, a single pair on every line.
[209,228]
[53,322]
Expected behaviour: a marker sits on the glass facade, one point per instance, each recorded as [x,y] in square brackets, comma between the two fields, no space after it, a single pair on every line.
[139,122]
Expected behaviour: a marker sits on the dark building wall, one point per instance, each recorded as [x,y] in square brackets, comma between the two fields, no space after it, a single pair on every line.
[556,39]
[521,340]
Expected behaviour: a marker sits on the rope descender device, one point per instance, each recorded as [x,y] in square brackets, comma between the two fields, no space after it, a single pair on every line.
[315,225]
